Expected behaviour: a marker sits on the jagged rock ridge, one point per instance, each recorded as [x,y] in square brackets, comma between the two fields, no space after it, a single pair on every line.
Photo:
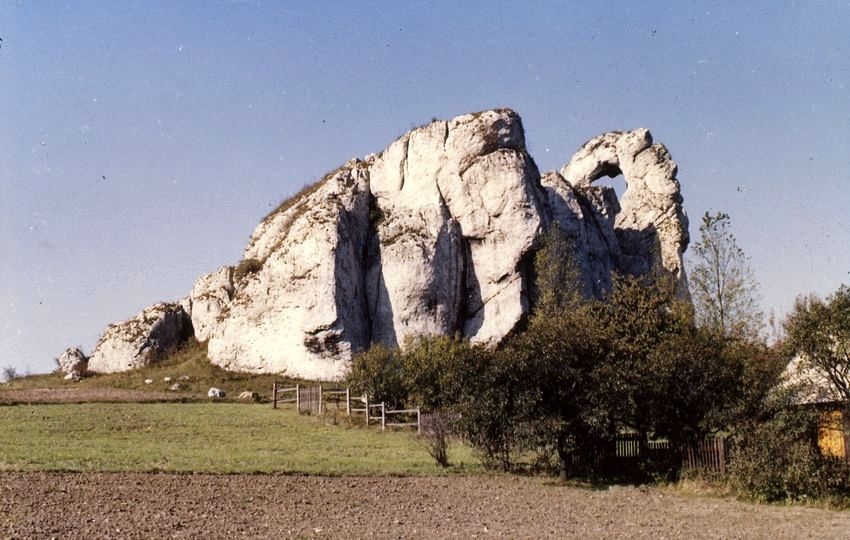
[434,235]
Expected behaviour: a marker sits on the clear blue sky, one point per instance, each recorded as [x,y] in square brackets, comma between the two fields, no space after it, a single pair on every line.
[141,142]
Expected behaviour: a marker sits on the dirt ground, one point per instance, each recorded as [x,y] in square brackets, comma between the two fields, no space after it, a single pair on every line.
[85,395]
[111,505]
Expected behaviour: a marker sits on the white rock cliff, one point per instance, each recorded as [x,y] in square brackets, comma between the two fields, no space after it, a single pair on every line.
[434,235]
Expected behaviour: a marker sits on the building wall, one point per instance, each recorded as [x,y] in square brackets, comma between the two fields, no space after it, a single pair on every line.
[831,434]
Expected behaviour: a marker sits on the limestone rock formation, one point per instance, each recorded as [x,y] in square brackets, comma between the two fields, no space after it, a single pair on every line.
[209,298]
[305,300]
[434,235]
[142,340]
[651,225]
[73,362]
[458,212]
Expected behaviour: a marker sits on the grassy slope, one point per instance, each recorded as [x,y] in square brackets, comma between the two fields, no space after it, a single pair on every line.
[205,437]
[191,360]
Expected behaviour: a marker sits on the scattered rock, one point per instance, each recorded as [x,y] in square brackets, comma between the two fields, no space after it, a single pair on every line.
[175,387]
[215,393]
[249,396]
[166,379]
[148,381]
[184,378]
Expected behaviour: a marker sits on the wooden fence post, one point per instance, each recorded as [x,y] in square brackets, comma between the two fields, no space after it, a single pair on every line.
[320,400]
[721,453]
[274,395]
[383,415]
[418,421]
[298,398]
[366,396]
[348,401]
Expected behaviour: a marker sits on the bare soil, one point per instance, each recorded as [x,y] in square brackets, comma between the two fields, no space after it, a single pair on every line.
[111,505]
[86,395]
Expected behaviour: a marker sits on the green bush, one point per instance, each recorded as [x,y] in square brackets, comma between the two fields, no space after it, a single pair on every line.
[448,375]
[379,372]
[778,459]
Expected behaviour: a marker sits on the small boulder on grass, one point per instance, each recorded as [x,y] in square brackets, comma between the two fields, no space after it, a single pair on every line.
[247,395]
[175,387]
[74,363]
[215,393]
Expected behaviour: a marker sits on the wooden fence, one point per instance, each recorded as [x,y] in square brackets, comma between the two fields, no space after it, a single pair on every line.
[318,400]
[708,455]
[623,451]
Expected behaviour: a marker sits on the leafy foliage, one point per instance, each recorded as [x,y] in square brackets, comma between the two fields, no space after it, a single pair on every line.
[776,458]
[724,289]
[583,371]
[557,274]
[379,372]
[820,331]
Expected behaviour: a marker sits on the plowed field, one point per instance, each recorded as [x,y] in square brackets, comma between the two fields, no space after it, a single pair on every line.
[110,505]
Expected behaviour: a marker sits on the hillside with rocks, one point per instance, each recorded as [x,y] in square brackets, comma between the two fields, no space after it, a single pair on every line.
[434,235]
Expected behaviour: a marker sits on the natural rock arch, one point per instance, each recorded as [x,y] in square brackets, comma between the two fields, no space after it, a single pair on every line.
[651,205]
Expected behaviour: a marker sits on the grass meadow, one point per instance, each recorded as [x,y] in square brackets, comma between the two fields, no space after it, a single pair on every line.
[209,438]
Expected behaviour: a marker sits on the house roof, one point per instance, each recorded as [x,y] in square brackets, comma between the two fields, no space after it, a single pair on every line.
[810,384]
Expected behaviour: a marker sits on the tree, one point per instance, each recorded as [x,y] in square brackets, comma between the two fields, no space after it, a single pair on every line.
[724,290]
[379,371]
[557,275]
[819,331]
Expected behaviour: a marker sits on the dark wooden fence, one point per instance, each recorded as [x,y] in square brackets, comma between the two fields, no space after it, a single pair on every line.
[708,455]
[624,452]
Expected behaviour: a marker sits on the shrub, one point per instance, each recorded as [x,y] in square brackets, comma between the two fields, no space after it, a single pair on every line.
[379,372]
[434,369]
[9,373]
[437,430]
[778,459]
[245,268]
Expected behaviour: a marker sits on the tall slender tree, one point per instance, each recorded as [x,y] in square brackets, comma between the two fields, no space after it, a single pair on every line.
[724,289]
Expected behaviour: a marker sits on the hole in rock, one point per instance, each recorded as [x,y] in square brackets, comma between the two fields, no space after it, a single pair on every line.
[618,183]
